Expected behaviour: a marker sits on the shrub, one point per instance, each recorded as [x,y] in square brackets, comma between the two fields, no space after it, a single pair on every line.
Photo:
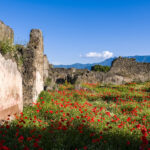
[100,68]
[7,47]
[15,51]
[48,81]
[19,54]
[19,59]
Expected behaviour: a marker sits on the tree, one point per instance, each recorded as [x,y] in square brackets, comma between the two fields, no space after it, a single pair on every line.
[100,68]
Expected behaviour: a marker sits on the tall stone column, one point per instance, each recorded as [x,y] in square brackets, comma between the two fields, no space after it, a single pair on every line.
[33,67]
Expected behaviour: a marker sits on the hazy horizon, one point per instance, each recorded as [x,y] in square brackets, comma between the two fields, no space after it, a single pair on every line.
[100,61]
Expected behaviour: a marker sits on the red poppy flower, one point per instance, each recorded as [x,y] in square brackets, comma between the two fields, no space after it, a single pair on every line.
[128,119]
[128,142]
[21,138]
[51,111]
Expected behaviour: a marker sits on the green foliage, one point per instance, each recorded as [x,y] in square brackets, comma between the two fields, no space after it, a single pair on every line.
[7,47]
[48,81]
[100,68]
[107,118]
[19,54]
[15,51]
[45,95]
[19,59]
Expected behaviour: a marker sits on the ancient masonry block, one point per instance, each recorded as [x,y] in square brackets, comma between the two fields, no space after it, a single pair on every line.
[11,100]
[33,67]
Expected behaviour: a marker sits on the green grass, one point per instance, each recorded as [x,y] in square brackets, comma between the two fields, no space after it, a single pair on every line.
[106,118]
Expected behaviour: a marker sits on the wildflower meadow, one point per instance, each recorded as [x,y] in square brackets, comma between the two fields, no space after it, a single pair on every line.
[96,117]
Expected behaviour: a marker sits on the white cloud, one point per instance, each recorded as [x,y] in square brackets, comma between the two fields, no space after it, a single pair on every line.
[102,55]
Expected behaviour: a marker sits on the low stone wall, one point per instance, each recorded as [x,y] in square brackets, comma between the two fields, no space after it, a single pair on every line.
[72,75]
[11,99]
[123,70]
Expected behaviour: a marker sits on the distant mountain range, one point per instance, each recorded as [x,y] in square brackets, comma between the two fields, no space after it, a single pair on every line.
[106,62]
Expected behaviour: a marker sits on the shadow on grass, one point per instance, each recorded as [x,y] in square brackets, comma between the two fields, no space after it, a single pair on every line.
[147,90]
[115,98]
[59,137]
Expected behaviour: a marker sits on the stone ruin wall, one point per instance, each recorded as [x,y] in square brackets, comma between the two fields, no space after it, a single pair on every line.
[11,97]
[123,70]
[36,40]
[6,33]
[33,67]
[21,87]
[72,75]
[11,94]
[129,67]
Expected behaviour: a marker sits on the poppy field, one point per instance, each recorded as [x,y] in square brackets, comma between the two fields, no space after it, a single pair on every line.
[96,117]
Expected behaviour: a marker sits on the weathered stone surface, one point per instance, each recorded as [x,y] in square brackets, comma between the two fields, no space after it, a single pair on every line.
[123,70]
[6,33]
[90,77]
[72,75]
[11,97]
[33,67]
[46,68]
[109,78]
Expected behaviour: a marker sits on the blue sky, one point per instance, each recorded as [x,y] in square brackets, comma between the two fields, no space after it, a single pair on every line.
[84,31]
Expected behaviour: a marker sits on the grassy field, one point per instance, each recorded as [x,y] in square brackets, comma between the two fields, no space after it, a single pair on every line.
[97,117]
